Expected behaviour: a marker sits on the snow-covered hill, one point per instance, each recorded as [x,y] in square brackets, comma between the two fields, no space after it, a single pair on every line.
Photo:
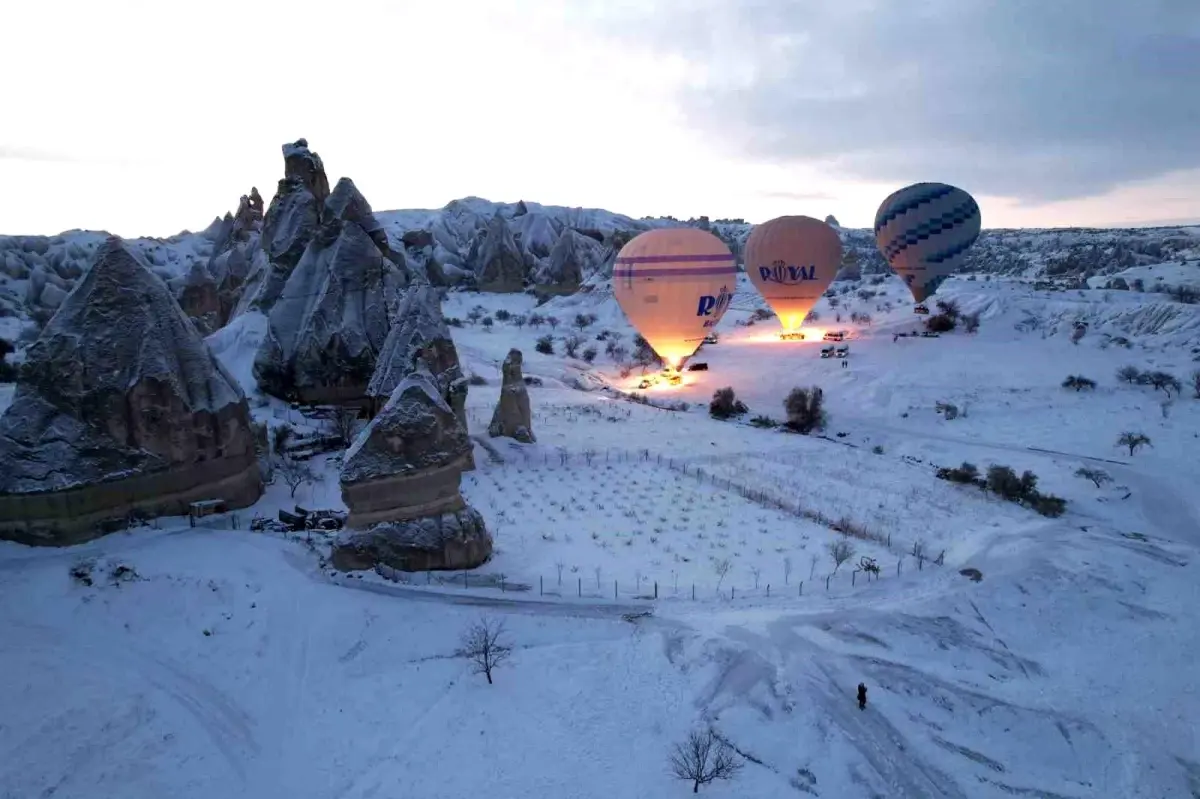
[1044,656]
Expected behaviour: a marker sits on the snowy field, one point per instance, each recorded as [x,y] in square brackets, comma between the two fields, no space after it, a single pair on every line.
[230,664]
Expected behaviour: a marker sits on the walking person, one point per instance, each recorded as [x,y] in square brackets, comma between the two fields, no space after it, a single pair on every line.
[862,696]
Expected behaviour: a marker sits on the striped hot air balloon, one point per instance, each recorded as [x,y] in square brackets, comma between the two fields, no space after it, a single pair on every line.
[792,260]
[674,285]
[924,230]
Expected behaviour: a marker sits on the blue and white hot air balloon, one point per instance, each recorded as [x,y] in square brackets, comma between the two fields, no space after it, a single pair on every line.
[923,231]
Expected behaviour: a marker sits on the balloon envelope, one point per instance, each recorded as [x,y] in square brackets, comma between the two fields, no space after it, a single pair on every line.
[792,260]
[674,284]
[924,230]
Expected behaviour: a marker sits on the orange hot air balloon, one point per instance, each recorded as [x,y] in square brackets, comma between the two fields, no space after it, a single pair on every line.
[792,260]
[674,284]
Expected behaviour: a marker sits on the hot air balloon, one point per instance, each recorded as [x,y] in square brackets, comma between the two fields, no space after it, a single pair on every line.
[674,284]
[792,260]
[923,231]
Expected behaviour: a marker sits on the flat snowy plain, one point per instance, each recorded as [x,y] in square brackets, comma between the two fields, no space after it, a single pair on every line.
[234,666]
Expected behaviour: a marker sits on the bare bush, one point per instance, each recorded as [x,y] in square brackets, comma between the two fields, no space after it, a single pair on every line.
[1129,374]
[343,423]
[545,345]
[703,759]
[572,344]
[725,404]
[1134,441]
[722,567]
[1098,476]
[1165,382]
[805,410]
[841,551]
[295,473]
[483,644]
[1079,383]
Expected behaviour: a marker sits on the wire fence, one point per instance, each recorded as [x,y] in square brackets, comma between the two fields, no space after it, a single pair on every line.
[526,456]
[600,587]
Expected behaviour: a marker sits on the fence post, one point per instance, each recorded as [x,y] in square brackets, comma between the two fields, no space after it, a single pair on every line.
[656,589]
[768,590]
[502,583]
[801,593]
[428,577]
[853,575]
[579,587]
[541,589]
[466,579]
[693,590]
[898,562]
[827,581]
[615,589]
[732,592]
[889,540]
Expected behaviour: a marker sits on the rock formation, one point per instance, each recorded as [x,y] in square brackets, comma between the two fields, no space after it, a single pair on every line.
[330,321]
[200,299]
[419,336]
[400,479]
[120,409]
[291,221]
[513,417]
[498,263]
[236,254]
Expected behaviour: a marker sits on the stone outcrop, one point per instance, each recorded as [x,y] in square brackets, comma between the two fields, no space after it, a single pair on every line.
[401,478]
[572,259]
[200,299]
[419,336]
[513,417]
[291,221]
[497,261]
[120,409]
[330,320]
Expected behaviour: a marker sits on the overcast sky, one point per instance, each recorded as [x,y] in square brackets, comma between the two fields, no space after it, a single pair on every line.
[144,118]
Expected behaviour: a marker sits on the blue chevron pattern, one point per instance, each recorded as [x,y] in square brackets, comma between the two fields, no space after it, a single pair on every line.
[947,254]
[940,224]
[936,192]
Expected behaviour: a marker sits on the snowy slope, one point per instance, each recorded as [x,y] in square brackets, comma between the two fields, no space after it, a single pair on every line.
[235,666]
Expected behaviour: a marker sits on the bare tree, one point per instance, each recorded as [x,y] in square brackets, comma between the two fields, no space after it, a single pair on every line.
[344,424]
[572,344]
[704,758]
[756,573]
[552,321]
[560,566]
[812,568]
[722,567]
[482,643]
[918,549]
[841,551]
[295,473]
[1133,440]
[787,570]
[1097,476]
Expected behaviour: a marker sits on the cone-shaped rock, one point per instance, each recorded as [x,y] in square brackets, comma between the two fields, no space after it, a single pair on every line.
[328,325]
[400,479]
[120,409]
[497,260]
[513,417]
[420,335]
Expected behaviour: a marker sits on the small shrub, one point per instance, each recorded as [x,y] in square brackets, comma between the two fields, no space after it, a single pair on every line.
[1129,374]
[940,323]
[454,321]
[761,314]
[765,422]
[948,308]
[1165,382]
[545,345]
[1003,481]
[1134,441]
[476,380]
[725,404]
[877,449]
[589,354]
[503,315]
[1048,505]
[966,474]
[805,410]
[487,323]
[1079,383]
[572,344]
[1098,476]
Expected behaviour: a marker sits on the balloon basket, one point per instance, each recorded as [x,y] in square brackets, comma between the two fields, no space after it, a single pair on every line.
[921,309]
[792,336]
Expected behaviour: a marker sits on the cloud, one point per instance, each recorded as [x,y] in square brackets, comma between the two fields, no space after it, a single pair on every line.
[10,152]
[1039,101]
[799,196]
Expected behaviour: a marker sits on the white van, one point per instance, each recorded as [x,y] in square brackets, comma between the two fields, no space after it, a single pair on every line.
[843,351]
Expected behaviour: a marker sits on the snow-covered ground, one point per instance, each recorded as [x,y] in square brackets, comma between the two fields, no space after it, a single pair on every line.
[234,666]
